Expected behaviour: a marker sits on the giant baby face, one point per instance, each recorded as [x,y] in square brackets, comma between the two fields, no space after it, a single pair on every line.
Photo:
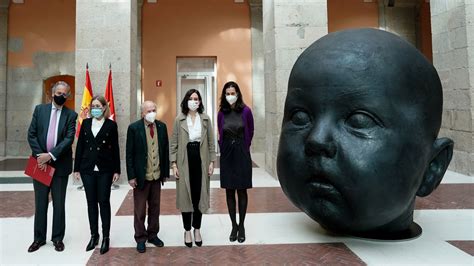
[359,132]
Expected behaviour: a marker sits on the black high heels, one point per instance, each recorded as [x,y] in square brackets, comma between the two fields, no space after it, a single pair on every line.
[233,234]
[188,244]
[198,243]
[241,234]
[93,242]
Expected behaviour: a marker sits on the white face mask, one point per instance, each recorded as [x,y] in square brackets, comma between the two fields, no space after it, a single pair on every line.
[231,99]
[193,105]
[150,117]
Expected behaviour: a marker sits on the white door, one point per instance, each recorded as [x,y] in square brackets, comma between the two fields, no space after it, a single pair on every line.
[198,73]
[198,82]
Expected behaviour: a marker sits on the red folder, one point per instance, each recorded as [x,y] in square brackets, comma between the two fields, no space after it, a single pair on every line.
[32,170]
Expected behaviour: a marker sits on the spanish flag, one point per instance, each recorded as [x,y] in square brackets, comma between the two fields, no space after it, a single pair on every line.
[86,100]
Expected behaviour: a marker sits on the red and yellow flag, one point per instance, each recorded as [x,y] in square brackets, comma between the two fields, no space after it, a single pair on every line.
[109,96]
[86,100]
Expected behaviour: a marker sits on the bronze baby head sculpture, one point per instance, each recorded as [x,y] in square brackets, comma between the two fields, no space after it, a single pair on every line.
[359,134]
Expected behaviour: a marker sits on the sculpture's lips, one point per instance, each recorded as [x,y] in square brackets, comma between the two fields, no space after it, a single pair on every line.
[321,187]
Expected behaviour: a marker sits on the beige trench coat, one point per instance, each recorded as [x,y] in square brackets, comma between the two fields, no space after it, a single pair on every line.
[178,154]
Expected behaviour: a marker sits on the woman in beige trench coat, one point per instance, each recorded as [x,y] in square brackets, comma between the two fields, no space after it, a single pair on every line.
[192,156]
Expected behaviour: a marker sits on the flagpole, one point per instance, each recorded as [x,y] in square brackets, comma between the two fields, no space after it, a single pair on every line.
[81,187]
[113,186]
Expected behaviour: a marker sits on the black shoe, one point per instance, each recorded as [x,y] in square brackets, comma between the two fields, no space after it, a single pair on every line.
[233,233]
[93,242]
[198,243]
[188,244]
[157,242]
[105,245]
[58,245]
[36,245]
[241,234]
[141,247]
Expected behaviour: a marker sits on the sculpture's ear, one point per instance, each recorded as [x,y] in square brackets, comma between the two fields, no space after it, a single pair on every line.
[441,157]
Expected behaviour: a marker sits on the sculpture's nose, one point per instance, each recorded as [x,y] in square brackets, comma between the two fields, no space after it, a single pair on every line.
[320,141]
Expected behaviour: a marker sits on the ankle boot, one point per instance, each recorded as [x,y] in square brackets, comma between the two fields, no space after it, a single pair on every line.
[105,245]
[93,242]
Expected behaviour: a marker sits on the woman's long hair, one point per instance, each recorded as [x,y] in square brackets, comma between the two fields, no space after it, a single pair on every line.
[239,104]
[184,102]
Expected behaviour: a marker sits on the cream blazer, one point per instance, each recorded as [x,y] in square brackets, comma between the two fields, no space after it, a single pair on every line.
[178,154]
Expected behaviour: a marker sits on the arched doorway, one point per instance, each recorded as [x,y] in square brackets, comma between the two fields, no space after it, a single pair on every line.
[48,85]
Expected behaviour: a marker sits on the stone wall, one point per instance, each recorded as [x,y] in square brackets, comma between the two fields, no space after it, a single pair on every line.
[289,27]
[25,91]
[453,56]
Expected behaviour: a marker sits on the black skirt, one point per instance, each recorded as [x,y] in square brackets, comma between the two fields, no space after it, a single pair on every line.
[235,165]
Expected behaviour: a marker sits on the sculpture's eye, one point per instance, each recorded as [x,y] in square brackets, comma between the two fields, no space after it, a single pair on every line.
[362,120]
[300,118]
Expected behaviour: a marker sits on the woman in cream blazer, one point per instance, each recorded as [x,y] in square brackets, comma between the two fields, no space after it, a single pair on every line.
[192,156]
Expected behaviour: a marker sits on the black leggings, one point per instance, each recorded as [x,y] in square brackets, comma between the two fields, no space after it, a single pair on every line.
[243,199]
[97,187]
[195,181]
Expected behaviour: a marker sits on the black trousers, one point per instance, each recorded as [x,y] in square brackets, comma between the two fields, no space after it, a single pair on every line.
[58,193]
[195,181]
[97,187]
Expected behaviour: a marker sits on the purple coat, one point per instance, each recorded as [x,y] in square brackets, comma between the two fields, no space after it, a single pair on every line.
[247,120]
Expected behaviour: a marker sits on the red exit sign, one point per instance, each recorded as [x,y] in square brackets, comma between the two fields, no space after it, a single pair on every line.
[158,83]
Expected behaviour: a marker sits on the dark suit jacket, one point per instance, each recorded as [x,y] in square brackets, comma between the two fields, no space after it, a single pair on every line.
[38,133]
[101,150]
[136,151]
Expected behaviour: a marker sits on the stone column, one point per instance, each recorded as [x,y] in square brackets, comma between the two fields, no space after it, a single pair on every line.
[452,27]
[3,73]
[258,94]
[288,28]
[106,32]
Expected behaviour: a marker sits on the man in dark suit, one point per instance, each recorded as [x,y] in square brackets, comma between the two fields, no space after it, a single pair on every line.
[50,136]
[148,166]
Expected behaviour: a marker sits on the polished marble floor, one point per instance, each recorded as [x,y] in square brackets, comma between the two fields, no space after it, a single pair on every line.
[277,232]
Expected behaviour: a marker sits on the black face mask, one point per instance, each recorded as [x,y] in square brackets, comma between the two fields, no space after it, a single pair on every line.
[59,100]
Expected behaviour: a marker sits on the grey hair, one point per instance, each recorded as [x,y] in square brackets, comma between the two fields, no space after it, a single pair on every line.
[61,83]
[142,107]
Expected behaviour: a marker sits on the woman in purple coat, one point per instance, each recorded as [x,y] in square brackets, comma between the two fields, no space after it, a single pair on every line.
[235,123]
